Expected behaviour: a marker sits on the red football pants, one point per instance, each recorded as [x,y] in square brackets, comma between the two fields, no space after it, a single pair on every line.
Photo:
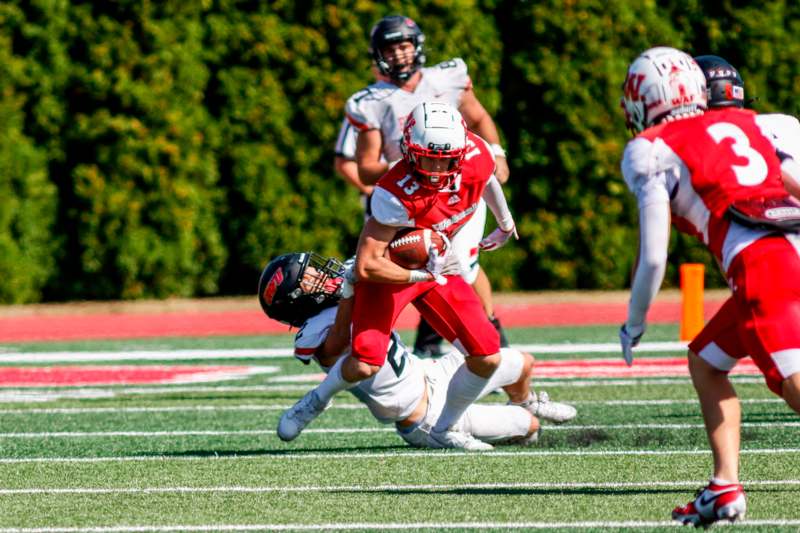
[762,318]
[453,310]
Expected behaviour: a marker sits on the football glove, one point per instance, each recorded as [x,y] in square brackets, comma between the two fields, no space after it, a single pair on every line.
[497,239]
[440,264]
[628,338]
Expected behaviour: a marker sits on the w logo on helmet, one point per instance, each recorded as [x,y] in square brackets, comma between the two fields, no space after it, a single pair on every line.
[633,85]
[272,286]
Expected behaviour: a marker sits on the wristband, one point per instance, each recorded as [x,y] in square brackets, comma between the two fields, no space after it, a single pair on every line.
[415,276]
[497,150]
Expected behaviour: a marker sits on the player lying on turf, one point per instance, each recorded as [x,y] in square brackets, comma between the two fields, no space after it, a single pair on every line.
[306,290]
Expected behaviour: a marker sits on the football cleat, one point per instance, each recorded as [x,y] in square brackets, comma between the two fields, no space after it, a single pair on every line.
[542,407]
[297,417]
[457,439]
[712,503]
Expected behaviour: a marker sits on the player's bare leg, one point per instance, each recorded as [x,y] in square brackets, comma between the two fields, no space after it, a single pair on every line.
[722,415]
[539,405]
[723,498]
[791,391]
[483,289]
[354,370]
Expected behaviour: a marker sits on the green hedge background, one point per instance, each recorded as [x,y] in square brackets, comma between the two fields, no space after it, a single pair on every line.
[155,149]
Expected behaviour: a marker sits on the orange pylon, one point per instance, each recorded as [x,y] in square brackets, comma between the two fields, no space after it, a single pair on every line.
[692,284]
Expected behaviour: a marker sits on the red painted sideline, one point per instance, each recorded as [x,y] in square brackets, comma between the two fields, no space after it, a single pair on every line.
[59,376]
[130,326]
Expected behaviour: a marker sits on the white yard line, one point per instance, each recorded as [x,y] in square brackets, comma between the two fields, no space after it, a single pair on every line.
[385,429]
[378,526]
[430,454]
[282,353]
[343,406]
[386,488]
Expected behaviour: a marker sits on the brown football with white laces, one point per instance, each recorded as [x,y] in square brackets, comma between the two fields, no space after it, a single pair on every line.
[409,248]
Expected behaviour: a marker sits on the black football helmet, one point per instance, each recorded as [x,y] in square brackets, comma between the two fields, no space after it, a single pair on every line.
[724,84]
[294,287]
[394,29]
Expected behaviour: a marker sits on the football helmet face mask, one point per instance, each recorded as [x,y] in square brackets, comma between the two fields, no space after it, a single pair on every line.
[434,144]
[662,84]
[725,87]
[396,29]
[294,287]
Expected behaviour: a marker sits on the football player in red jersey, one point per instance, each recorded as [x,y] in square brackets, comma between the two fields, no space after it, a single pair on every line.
[378,113]
[444,173]
[718,177]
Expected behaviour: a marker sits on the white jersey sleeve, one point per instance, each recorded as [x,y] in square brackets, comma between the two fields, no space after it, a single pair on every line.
[388,209]
[313,333]
[365,108]
[783,131]
[652,171]
[346,141]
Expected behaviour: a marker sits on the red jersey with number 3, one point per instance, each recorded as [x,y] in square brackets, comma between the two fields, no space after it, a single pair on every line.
[399,200]
[728,156]
[702,165]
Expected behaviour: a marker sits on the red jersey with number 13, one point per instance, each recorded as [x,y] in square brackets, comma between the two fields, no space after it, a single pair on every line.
[446,210]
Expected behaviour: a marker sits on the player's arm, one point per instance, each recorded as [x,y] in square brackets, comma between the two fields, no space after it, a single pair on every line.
[651,186]
[338,339]
[348,169]
[368,156]
[496,200]
[372,263]
[479,121]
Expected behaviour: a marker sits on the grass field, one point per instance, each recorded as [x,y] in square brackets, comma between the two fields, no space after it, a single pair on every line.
[204,456]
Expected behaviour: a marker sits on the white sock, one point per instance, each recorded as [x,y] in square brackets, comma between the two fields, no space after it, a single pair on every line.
[464,388]
[719,481]
[508,371]
[333,383]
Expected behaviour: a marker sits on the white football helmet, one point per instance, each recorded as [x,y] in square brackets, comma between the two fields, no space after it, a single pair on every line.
[662,82]
[434,143]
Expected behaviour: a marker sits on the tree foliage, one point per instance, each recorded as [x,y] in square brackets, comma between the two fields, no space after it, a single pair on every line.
[152,149]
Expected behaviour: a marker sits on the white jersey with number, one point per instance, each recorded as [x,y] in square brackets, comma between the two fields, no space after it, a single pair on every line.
[385,106]
[392,393]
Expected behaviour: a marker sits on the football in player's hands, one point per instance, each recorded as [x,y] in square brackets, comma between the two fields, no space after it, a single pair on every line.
[410,247]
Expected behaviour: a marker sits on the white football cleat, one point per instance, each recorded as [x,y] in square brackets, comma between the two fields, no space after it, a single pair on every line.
[541,406]
[298,416]
[457,439]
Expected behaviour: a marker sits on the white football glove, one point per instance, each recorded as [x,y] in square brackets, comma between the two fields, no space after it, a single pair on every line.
[628,338]
[497,239]
[440,265]
[348,279]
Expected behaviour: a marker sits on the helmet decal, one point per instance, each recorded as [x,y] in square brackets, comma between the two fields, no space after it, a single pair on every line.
[272,286]
[725,87]
[295,287]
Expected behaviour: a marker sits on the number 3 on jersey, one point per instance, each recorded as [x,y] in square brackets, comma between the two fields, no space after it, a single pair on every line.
[755,171]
